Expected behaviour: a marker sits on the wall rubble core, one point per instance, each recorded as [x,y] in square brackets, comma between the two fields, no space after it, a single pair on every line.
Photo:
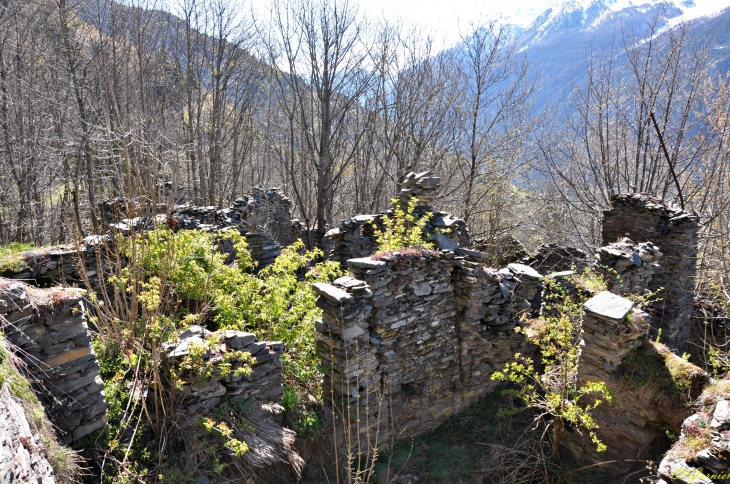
[198,395]
[49,329]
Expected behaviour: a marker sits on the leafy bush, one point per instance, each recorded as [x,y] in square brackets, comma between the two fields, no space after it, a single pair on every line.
[554,390]
[404,229]
[166,281]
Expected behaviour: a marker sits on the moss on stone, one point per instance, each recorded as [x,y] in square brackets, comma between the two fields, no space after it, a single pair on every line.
[13,264]
[654,364]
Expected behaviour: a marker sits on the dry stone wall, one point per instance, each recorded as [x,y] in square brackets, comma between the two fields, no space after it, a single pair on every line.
[355,237]
[642,219]
[611,330]
[49,329]
[627,267]
[408,339]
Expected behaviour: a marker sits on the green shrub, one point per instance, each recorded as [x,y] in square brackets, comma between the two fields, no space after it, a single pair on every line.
[166,281]
[551,386]
[404,229]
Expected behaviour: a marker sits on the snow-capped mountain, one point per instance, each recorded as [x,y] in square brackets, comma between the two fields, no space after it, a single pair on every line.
[559,38]
[588,15]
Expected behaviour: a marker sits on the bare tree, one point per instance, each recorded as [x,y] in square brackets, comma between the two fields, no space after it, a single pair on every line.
[319,46]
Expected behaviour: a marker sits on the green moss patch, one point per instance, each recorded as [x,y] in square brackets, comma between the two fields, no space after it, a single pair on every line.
[654,364]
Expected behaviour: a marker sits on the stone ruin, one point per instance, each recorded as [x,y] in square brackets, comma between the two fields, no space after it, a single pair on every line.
[355,237]
[198,395]
[645,219]
[407,339]
[264,216]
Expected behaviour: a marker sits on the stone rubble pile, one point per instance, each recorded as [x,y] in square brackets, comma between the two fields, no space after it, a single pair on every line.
[502,250]
[710,463]
[627,267]
[199,394]
[50,330]
[269,211]
[642,219]
[355,237]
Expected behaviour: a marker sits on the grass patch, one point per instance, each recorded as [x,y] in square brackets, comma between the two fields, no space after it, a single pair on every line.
[65,462]
[464,448]
[14,248]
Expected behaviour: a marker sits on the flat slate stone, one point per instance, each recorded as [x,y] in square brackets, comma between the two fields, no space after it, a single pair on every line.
[332,293]
[472,253]
[365,263]
[608,305]
[521,270]
[445,243]
[561,275]
[721,417]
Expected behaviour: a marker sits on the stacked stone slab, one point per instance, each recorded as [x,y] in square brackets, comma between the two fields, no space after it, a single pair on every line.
[198,395]
[355,237]
[642,218]
[490,304]
[412,327]
[269,211]
[352,377]
[50,331]
[608,336]
[502,250]
[409,338]
[260,211]
[627,267]
[61,265]
[22,452]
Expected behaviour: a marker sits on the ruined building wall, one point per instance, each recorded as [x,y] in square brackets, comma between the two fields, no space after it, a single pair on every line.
[641,410]
[49,329]
[198,395]
[408,340]
[355,237]
[642,219]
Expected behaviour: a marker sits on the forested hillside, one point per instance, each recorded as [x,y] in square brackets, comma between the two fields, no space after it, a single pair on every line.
[101,100]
